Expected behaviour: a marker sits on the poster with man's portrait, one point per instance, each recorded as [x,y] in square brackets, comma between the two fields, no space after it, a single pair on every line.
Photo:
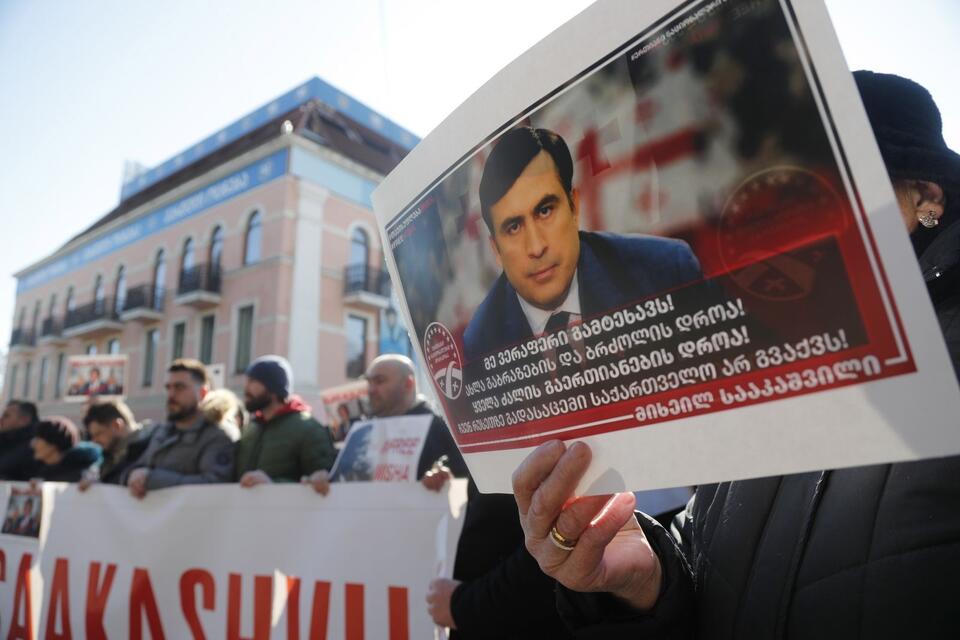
[345,405]
[382,450]
[100,376]
[393,334]
[23,514]
[666,230]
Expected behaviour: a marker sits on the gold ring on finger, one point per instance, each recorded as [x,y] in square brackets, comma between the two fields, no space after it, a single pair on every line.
[561,541]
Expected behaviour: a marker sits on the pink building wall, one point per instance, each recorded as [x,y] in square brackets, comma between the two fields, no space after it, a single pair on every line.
[267,284]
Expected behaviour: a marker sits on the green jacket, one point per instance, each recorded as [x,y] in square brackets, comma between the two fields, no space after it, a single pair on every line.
[286,448]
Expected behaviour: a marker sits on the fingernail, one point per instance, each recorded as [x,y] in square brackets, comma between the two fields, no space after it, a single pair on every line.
[579,449]
[554,446]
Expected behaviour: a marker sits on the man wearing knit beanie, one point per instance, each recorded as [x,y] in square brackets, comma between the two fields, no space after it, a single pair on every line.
[283,442]
[274,373]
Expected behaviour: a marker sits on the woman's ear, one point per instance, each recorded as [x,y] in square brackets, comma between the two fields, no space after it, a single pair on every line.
[930,202]
[920,201]
[931,196]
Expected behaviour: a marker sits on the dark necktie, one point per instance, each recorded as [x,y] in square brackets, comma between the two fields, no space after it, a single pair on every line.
[556,323]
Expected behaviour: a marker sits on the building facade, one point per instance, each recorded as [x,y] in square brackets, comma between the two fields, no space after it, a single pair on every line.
[259,239]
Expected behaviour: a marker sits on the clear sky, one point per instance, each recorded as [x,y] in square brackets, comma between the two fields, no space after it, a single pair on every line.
[87,85]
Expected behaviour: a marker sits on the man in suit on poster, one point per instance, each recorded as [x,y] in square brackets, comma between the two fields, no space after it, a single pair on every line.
[554,275]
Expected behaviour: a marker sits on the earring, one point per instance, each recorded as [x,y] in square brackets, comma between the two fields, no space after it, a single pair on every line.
[928,219]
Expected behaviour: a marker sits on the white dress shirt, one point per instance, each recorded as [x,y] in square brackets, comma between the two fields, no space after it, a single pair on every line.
[537,318]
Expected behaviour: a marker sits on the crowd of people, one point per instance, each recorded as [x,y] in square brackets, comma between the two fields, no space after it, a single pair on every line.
[210,436]
[864,552]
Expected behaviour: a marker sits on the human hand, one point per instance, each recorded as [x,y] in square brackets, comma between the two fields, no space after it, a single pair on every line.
[137,482]
[319,480]
[610,551]
[253,478]
[438,601]
[87,478]
[435,478]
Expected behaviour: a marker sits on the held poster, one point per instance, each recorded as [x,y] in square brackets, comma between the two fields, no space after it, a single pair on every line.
[100,376]
[666,230]
[382,450]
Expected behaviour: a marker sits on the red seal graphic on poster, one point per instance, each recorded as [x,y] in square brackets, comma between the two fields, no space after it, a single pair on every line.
[769,214]
[443,360]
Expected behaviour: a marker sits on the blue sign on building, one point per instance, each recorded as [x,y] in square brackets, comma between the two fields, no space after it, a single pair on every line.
[313,89]
[250,177]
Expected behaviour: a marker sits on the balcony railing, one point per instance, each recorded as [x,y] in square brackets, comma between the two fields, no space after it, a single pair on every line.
[23,338]
[361,278]
[103,309]
[51,328]
[145,297]
[201,278]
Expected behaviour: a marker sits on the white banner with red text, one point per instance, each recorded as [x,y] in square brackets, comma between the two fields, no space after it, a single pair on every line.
[224,562]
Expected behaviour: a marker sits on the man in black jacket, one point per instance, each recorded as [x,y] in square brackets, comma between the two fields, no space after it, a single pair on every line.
[18,425]
[392,390]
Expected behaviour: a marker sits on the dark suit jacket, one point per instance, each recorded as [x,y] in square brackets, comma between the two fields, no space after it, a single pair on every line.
[613,271]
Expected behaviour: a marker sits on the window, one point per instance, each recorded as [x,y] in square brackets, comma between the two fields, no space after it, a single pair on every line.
[26,379]
[120,295]
[53,305]
[42,386]
[251,247]
[113,346]
[91,349]
[244,338]
[58,383]
[98,295]
[71,302]
[150,356]
[179,331]
[36,317]
[356,346]
[188,260]
[357,269]
[11,388]
[206,339]
[216,249]
[22,319]
[159,279]
[359,248]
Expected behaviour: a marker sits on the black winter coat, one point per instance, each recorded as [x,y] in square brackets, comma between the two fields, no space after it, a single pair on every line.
[438,443]
[940,264]
[16,454]
[76,461]
[503,594]
[870,552]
